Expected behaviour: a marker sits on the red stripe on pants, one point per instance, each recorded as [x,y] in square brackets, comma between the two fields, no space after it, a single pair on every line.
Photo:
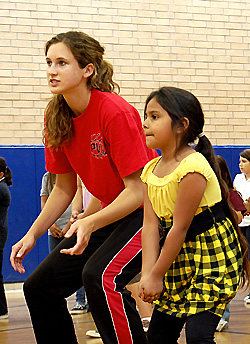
[114,298]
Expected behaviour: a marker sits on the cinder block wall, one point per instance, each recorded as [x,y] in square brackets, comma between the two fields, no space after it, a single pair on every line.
[199,45]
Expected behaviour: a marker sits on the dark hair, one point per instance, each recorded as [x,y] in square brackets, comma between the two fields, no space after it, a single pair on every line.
[58,115]
[181,104]
[226,176]
[7,172]
[245,154]
[225,173]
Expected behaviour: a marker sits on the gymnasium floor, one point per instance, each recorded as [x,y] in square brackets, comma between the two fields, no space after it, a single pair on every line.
[18,328]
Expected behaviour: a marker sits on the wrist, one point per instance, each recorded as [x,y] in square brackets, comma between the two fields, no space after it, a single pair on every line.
[88,224]
[157,274]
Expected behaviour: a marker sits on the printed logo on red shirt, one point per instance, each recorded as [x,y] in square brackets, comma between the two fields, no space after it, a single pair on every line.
[97,146]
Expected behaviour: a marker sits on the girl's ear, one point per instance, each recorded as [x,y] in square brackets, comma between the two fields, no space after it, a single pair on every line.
[1,175]
[88,70]
[183,125]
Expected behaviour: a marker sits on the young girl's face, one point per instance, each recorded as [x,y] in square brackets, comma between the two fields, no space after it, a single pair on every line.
[63,72]
[244,166]
[158,127]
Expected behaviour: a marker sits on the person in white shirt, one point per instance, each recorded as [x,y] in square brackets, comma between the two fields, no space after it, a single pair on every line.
[242,184]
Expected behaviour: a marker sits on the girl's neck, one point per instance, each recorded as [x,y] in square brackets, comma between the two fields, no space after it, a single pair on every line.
[169,162]
[78,101]
[247,176]
[171,154]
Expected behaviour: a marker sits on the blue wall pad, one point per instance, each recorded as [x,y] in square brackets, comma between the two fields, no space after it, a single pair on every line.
[28,166]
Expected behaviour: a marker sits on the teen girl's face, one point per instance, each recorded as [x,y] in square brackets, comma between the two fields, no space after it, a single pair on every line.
[158,127]
[63,72]
[244,166]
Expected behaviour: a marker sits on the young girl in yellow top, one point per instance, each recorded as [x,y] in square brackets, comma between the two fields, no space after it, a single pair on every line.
[192,251]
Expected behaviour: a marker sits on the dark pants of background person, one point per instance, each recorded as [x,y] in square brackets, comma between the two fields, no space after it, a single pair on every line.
[111,259]
[246,231]
[3,239]
[200,328]
[3,303]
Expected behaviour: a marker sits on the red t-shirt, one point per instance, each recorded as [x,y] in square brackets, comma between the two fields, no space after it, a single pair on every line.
[108,144]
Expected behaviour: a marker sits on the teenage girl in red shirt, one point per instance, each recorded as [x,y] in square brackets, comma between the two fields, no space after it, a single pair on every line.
[92,132]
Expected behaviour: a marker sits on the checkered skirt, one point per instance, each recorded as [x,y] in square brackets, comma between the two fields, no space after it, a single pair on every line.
[206,273]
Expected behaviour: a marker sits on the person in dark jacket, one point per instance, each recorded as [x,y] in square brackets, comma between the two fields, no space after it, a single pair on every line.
[5,181]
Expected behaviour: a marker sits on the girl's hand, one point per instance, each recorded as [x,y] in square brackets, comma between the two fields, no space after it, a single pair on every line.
[55,231]
[19,251]
[247,205]
[81,216]
[83,230]
[150,288]
[66,228]
[74,215]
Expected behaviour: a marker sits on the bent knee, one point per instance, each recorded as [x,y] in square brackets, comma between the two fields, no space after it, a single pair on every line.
[90,275]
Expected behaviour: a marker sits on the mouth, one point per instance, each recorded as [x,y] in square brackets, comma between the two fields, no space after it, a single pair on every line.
[54,82]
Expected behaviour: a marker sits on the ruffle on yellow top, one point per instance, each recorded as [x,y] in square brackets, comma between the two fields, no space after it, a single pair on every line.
[163,191]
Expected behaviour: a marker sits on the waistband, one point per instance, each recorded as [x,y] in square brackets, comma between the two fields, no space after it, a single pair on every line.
[200,223]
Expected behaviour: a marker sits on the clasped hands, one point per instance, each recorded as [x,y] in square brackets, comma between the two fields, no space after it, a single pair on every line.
[150,287]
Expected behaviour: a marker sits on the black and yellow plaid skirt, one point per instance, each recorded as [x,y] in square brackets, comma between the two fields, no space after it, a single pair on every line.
[206,273]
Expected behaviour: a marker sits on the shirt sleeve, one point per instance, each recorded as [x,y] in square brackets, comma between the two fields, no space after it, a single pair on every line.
[56,161]
[148,169]
[194,163]
[43,191]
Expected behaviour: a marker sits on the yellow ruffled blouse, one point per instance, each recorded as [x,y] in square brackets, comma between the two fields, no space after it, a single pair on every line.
[163,191]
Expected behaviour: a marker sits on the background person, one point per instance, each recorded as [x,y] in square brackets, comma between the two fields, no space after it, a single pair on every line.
[57,231]
[242,184]
[5,197]
[237,203]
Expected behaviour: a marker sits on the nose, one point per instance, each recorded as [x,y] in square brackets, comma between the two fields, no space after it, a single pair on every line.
[145,125]
[52,69]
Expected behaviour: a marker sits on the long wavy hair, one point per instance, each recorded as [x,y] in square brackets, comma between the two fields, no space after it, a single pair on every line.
[58,115]
[179,104]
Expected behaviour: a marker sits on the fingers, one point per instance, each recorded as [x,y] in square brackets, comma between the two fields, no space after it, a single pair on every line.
[81,244]
[73,217]
[149,298]
[55,231]
[70,232]
[64,231]
[16,259]
[19,265]
[75,250]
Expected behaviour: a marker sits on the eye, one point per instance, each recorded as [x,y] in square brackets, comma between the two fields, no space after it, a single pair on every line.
[48,63]
[62,63]
[154,116]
